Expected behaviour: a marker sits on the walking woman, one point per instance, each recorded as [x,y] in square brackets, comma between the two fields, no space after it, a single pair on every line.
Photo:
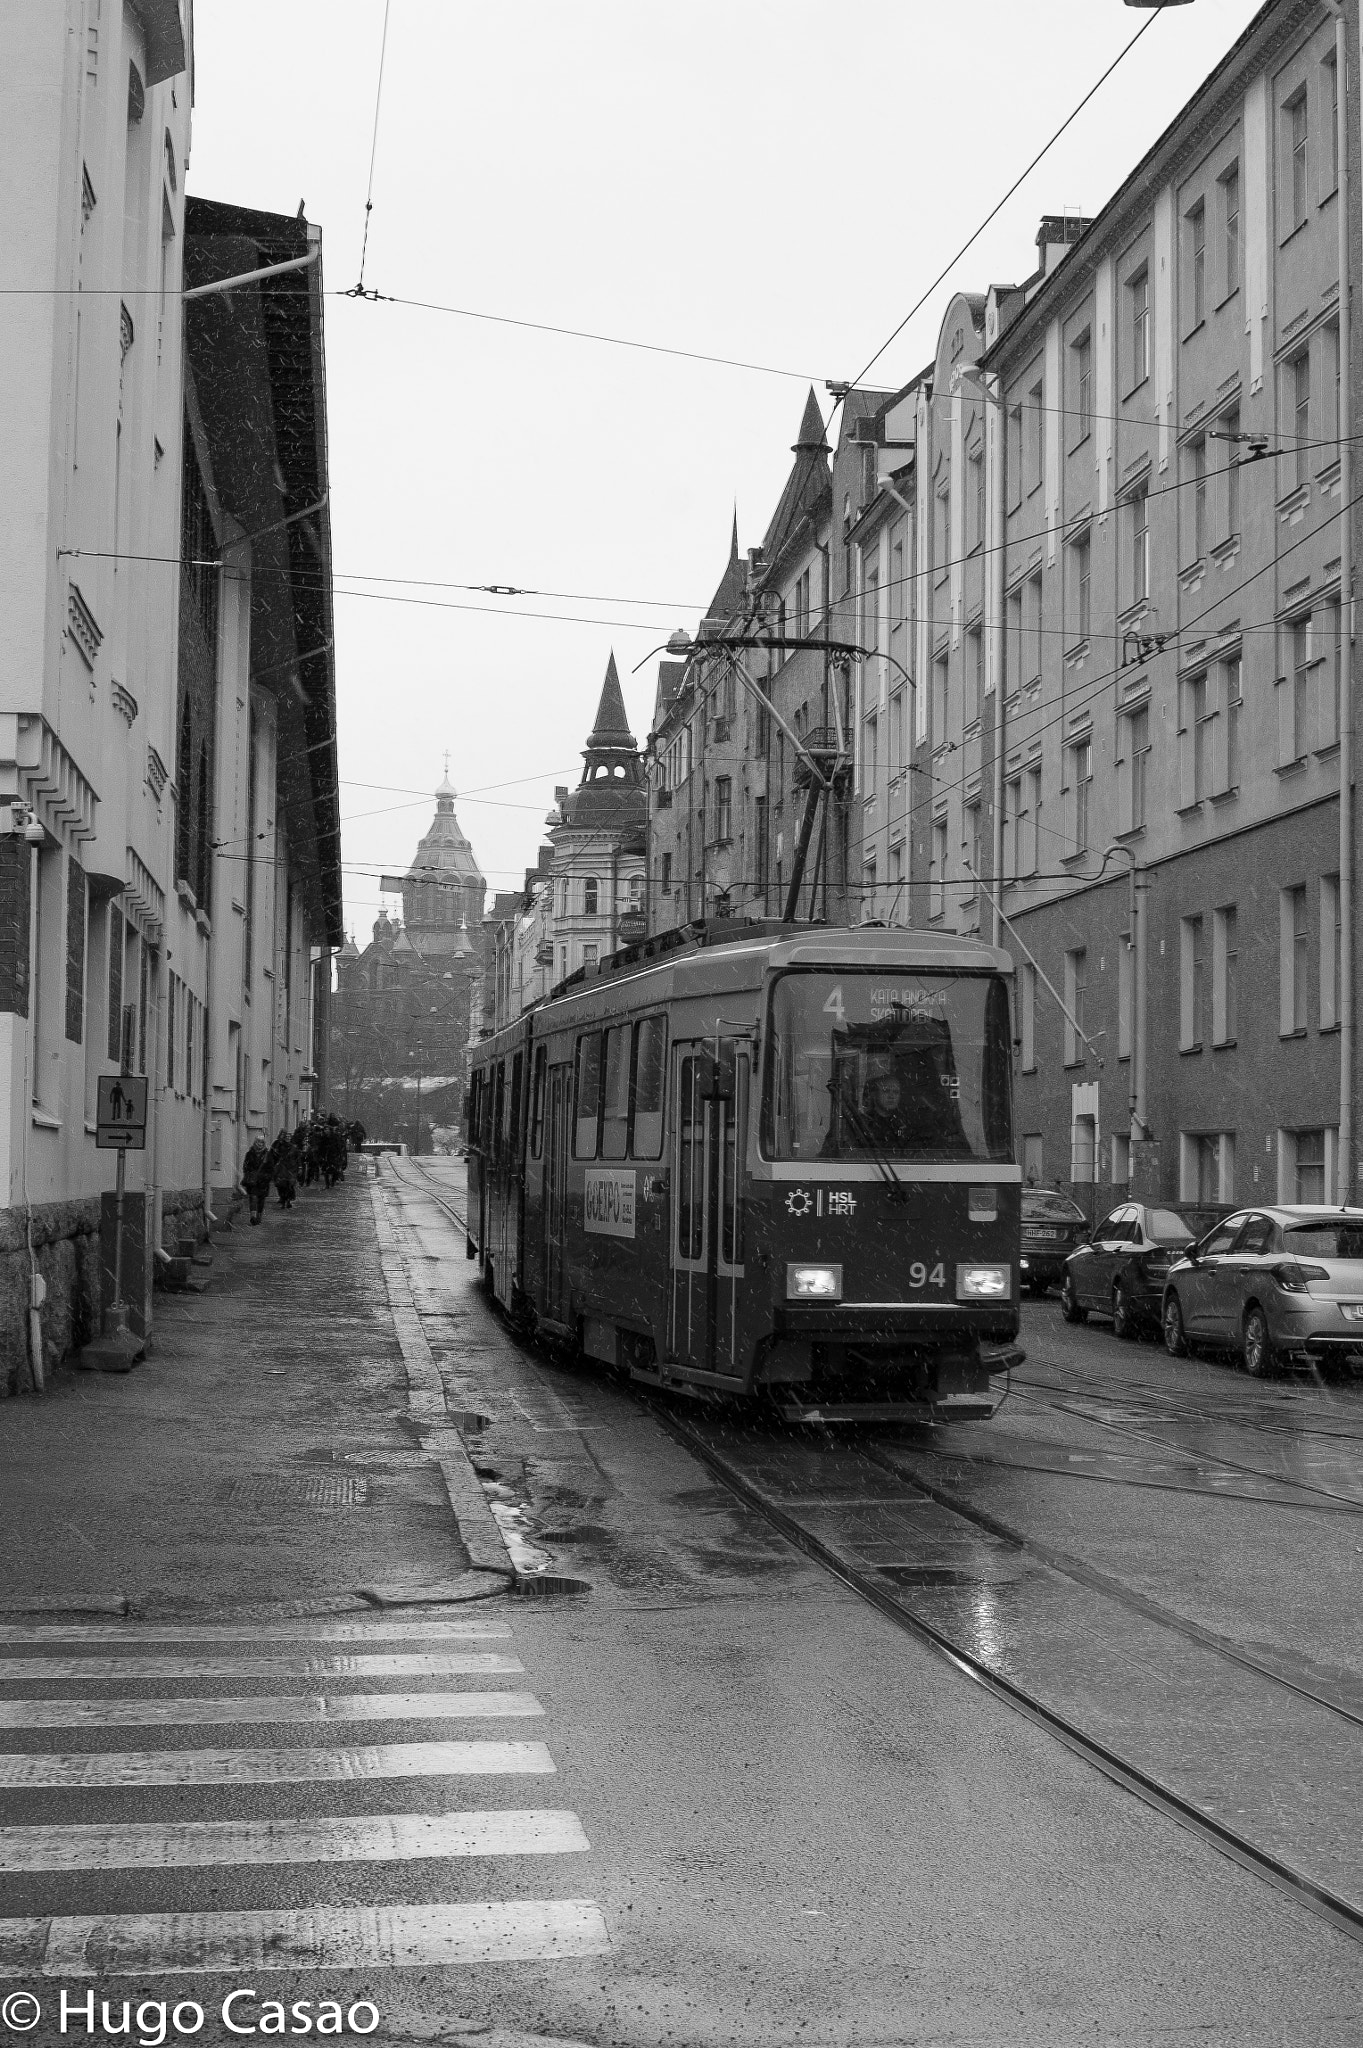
[256,1176]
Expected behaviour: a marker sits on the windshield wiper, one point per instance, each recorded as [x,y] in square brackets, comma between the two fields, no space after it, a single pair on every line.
[898,1191]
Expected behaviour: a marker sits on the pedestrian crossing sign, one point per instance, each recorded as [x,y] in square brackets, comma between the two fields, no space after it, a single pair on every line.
[121,1113]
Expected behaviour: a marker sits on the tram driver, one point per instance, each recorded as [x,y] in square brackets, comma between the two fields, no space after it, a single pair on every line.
[903,1110]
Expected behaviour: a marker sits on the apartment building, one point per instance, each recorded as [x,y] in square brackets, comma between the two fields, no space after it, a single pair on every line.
[144,490]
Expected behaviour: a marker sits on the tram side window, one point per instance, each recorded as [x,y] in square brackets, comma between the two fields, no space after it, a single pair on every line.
[497,1110]
[485,1113]
[650,1073]
[537,1105]
[471,1109]
[513,1120]
[586,1128]
[690,1163]
[615,1122]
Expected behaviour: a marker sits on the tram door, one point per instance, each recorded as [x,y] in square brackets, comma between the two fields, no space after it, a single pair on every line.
[710,1087]
[556,1195]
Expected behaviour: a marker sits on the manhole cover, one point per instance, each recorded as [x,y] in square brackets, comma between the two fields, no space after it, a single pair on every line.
[313,1490]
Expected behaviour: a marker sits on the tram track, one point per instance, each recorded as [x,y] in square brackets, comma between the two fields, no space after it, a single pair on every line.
[870,1583]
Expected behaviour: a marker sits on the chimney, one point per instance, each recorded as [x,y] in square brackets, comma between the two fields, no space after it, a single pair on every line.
[1058,231]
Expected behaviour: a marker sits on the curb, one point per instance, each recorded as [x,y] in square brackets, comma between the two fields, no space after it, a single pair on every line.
[478,1530]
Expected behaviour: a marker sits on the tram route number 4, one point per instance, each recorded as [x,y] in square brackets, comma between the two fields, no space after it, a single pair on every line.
[121,1113]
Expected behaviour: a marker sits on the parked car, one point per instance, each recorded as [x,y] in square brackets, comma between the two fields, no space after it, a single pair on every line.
[1280,1285]
[1052,1225]
[1122,1269]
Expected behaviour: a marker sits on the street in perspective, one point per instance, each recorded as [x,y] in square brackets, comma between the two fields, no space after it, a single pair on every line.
[709,1395]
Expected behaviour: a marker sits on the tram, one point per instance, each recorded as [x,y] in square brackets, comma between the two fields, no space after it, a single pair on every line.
[769,1157]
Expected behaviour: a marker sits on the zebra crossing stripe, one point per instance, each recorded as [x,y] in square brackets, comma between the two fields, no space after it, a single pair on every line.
[37,1770]
[315,1707]
[317,1938]
[363,1630]
[376,1838]
[423,1664]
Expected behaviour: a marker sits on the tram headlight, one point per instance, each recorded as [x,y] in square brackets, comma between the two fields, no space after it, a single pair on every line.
[983,1283]
[813,1283]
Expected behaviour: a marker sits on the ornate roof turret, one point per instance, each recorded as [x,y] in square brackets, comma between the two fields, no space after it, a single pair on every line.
[612,785]
[444,882]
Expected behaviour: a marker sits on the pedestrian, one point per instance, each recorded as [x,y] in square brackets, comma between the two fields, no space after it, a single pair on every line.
[285,1170]
[256,1176]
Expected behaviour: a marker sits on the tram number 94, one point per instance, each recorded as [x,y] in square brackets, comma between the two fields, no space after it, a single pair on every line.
[919,1276]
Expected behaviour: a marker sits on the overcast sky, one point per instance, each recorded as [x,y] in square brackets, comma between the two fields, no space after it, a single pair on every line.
[761,179]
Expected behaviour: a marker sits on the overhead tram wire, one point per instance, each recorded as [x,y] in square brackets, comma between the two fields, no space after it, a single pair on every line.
[373,152]
[994,211]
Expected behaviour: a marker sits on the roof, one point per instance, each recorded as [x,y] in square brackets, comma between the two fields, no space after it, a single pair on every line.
[807,483]
[610,795]
[258,360]
[443,850]
[729,594]
[611,729]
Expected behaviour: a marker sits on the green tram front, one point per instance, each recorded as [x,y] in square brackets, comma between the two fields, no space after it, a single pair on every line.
[884,1201]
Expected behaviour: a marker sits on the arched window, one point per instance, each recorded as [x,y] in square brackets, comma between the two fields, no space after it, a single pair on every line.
[589,896]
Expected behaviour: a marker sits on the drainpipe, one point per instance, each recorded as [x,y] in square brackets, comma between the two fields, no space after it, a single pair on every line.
[1345,1167]
[37,1290]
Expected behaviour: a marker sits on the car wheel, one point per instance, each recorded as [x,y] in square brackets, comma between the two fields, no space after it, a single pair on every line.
[1258,1345]
[1071,1307]
[1175,1338]
[1122,1324]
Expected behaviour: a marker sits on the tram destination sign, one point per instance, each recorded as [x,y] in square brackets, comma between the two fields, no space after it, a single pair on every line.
[608,1208]
[121,1113]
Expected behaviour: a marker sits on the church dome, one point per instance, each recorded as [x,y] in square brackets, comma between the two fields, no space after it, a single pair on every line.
[444,885]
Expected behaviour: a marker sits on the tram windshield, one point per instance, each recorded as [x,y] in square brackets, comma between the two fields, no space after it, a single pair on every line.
[905,1066]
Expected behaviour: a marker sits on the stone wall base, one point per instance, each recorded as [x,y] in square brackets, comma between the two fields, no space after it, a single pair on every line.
[65,1240]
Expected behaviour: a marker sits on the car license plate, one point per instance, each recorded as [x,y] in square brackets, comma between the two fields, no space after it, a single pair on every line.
[1037,1236]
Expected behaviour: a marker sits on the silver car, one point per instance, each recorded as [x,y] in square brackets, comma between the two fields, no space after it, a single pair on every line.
[1281,1286]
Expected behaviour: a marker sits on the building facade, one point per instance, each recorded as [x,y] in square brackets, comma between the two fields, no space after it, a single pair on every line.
[403,1007]
[115,933]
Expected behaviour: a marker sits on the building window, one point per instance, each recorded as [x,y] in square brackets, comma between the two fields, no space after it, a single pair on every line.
[1126,982]
[1331,674]
[1330,102]
[1294,728]
[1197,477]
[1310,1166]
[941,546]
[1035,437]
[1195,740]
[1038,638]
[723,807]
[75,949]
[1296,143]
[1028,1019]
[937,873]
[1084,1149]
[1013,651]
[975,538]
[589,896]
[1031,823]
[1081,776]
[1081,559]
[1013,454]
[1230,222]
[1135,738]
[1033,1158]
[1329,951]
[1225,976]
[1231,688]
[1330,387]
[1229,434]
[1293,944]
[1206,1166]
[1197,262]
[1138,291]
[1298,397]
[1082,359]
[897,908]
[1191,984]
[1076,979]
[868,891]
[974,674]
[590,955]
[1012,828]
[667,870]
[1138,527]
[971,844]
[939,701]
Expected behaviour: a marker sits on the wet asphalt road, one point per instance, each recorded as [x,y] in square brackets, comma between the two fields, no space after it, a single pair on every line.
[795,1821]
[806,1824]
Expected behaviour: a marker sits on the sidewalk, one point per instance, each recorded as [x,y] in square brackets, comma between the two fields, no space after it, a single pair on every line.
[283,1445]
